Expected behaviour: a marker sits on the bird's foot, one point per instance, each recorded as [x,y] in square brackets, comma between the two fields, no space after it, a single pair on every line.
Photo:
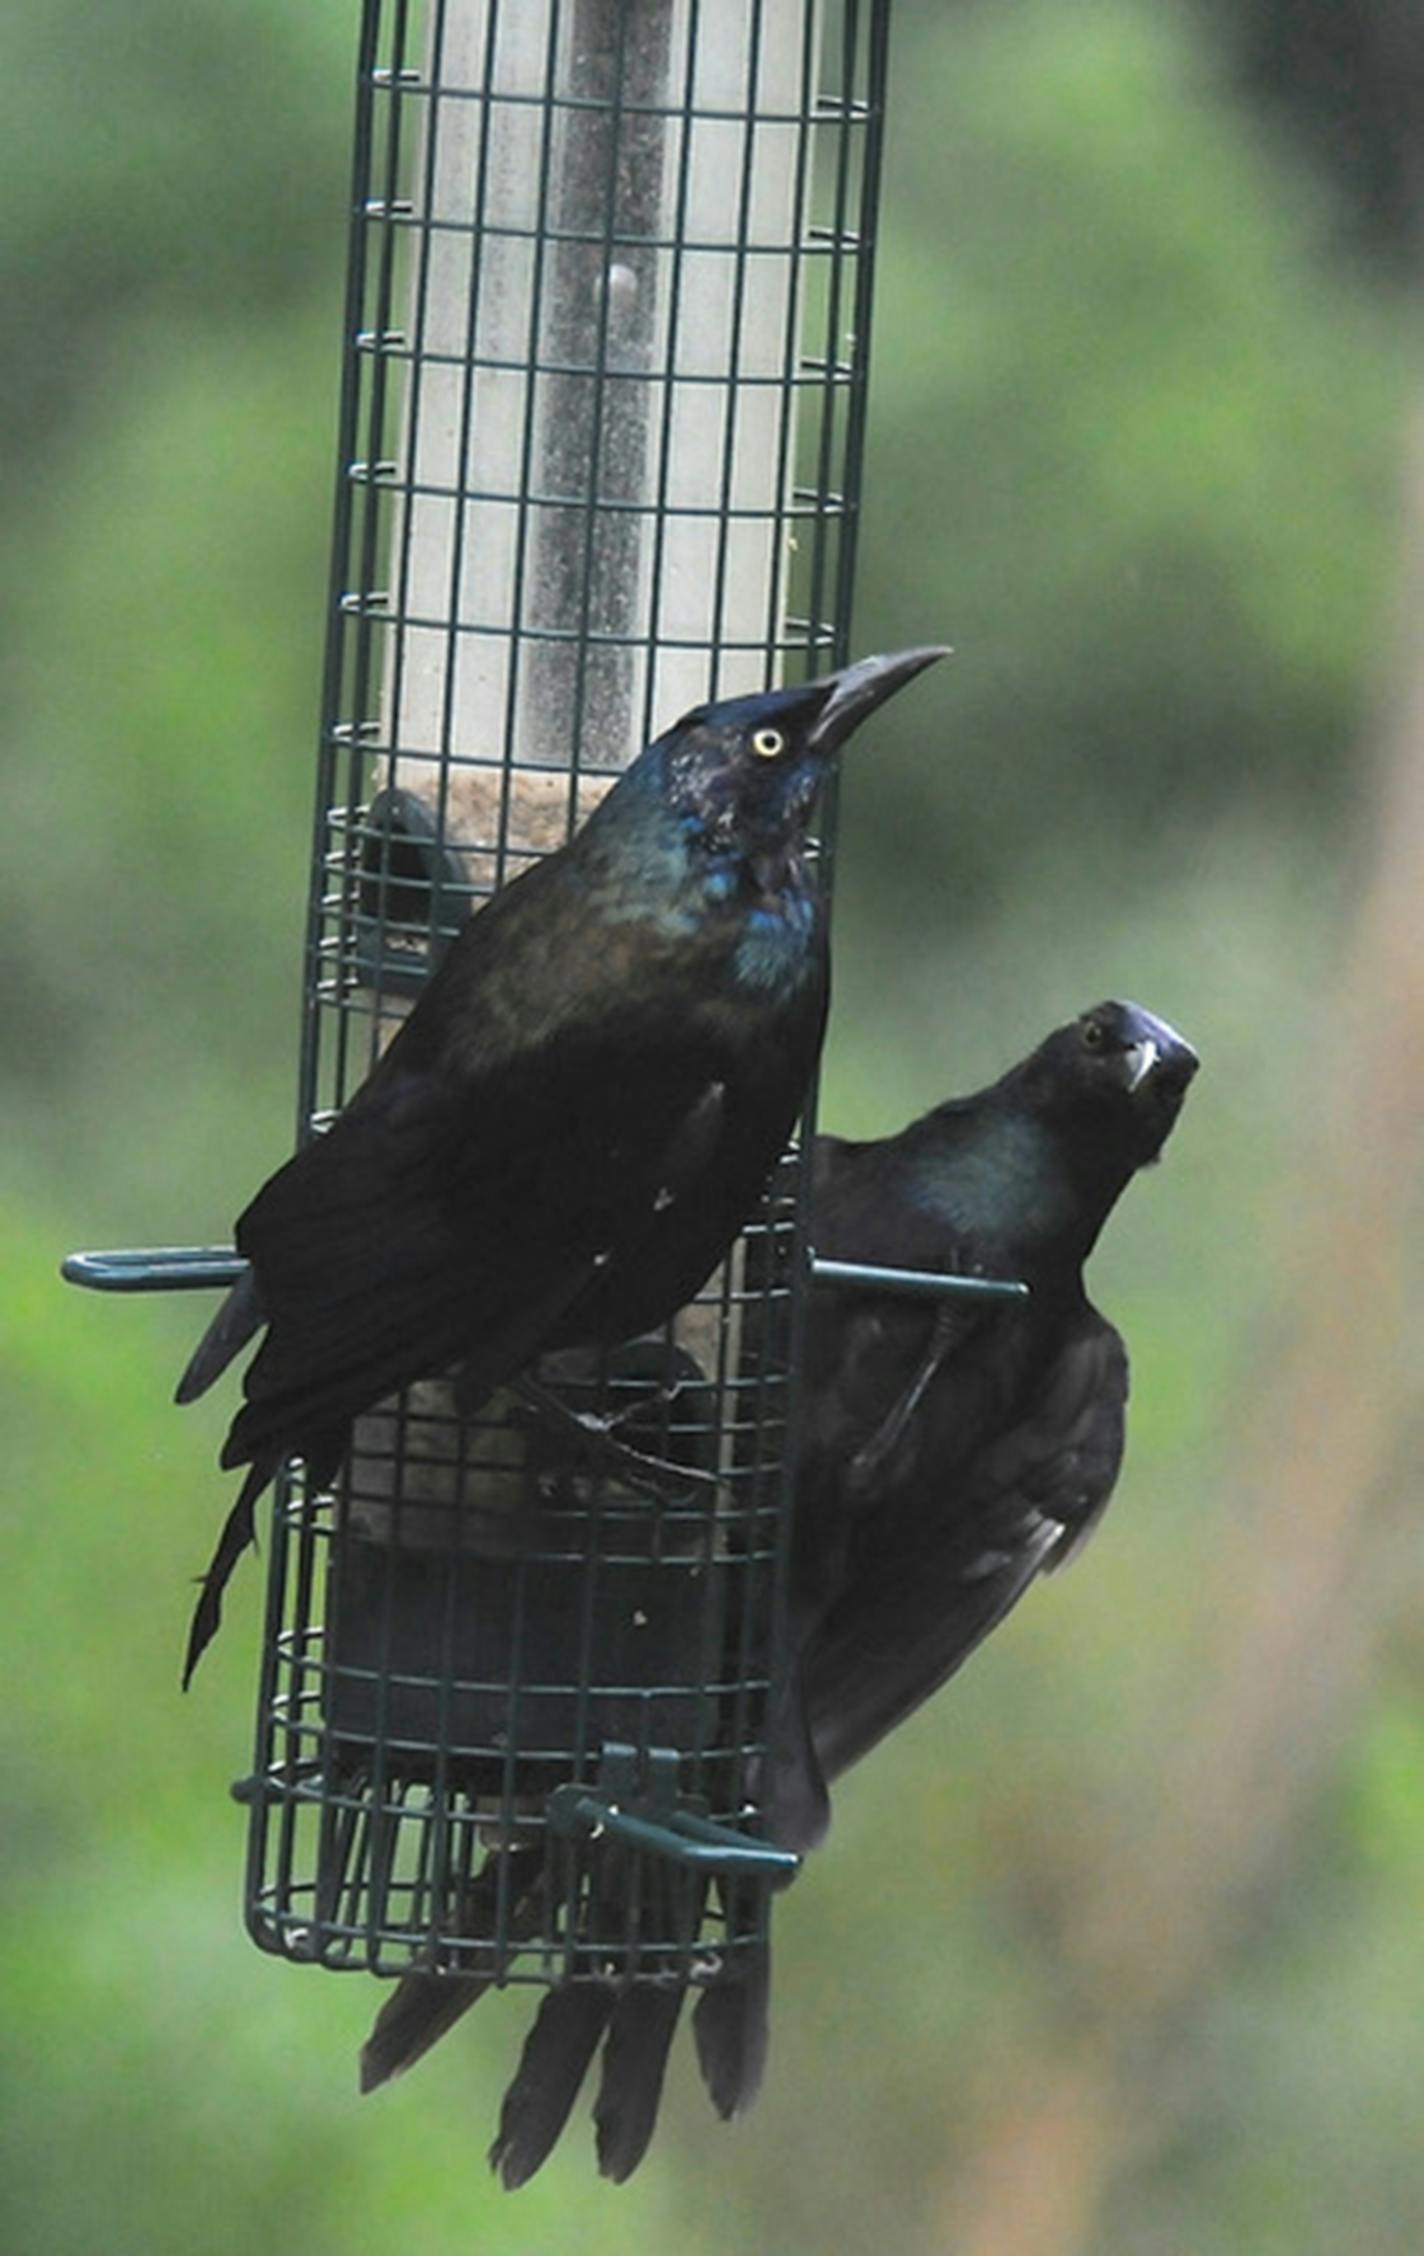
[866,1465]
[661,1396]
[656,1476]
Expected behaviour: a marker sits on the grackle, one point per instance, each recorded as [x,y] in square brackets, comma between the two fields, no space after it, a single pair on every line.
[569,1129]
[949,1454]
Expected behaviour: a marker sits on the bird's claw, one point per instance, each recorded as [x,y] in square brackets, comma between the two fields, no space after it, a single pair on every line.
[658,1476]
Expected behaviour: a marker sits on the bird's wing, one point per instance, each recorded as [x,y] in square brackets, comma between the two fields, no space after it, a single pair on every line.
[870,1361]
[1065,1456]
[949,1566]
[240,1315]
[447,1218]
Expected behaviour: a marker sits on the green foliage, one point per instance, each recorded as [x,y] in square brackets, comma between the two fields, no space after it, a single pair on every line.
[188,159]
[1155,540]
[1134,445]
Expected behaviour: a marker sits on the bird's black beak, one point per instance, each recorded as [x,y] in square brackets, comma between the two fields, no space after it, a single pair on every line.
[1156,1059]
[857,690]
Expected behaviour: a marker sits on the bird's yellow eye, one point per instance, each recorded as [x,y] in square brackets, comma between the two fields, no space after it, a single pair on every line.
[767,743]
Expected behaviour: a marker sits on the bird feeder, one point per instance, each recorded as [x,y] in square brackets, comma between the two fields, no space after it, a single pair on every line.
[607,315]
[606,337]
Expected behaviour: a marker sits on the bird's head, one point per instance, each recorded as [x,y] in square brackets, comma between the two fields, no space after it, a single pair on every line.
[1117,1076]
[742,775]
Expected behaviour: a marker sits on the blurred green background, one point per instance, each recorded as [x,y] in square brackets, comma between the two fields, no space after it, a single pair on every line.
[1117,1947]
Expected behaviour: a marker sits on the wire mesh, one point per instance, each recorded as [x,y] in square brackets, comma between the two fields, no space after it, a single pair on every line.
[606,338]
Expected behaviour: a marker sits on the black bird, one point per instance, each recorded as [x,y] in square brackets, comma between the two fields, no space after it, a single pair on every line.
[948,1456]
[574,1121]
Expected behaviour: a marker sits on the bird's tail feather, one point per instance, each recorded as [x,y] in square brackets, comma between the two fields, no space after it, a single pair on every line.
[238,1532]
[424,2007]
[552,2066]
[635,2059]
[421,2010]
[730,2029]
[638,2021]
[240,1315]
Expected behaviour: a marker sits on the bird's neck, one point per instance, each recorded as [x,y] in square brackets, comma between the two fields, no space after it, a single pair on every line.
[749,899]
[1004,1174]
